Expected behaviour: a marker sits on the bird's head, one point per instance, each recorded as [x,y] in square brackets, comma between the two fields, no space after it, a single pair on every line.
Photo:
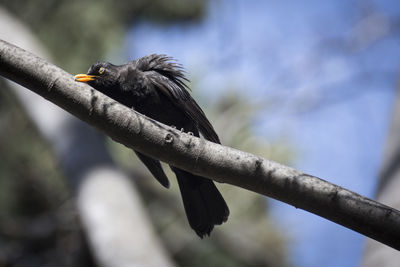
[101,75]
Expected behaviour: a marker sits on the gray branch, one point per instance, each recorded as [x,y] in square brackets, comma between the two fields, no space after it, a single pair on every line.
[217,162]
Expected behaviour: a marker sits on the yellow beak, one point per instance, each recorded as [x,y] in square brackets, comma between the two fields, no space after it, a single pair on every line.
[84,78]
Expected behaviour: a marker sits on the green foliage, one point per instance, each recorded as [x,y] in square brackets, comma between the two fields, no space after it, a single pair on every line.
[38,226]
[82,32]
[26,165]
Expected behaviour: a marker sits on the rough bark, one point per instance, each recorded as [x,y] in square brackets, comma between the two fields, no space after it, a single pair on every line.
[220,163]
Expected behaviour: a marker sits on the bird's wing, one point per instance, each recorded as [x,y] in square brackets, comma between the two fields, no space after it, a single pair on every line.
[168,77]
[155,168]
[182,99]
[196,113]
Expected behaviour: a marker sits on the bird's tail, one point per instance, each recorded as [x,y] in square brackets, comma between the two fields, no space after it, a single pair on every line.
[203,203]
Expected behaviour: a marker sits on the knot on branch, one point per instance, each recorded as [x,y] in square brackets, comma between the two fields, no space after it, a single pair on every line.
[168,138]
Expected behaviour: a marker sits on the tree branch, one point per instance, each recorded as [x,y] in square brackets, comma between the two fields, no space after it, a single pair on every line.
[217,162]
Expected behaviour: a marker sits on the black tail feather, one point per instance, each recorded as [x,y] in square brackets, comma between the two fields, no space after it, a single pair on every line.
[204,205]
[155,168]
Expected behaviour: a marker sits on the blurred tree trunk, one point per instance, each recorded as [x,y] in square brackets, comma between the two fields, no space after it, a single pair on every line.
[378,254]
[117,227]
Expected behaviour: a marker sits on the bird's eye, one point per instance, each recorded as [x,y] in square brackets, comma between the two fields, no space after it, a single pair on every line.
[101,70]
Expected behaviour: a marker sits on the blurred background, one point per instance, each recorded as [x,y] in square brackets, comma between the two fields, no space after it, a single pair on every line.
[310,84]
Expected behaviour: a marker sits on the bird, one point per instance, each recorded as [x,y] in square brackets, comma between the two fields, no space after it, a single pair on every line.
[156,86]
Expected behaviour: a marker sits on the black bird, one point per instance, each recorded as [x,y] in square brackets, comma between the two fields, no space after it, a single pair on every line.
[155,86]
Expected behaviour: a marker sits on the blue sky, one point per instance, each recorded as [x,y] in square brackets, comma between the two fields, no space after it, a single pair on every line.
[331,85]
